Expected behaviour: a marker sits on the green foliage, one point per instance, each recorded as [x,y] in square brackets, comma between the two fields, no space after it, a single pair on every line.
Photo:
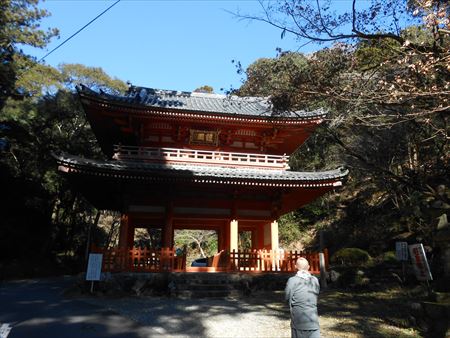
[44,215]
[387,122]
[92,77]
[351,256]
[19,25]
[245,240]
[196,243]
[205,89]
[276,78]
[389,257]
[289,230]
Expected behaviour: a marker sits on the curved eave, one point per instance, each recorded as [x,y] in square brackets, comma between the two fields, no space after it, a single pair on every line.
[152,172]
[104,100]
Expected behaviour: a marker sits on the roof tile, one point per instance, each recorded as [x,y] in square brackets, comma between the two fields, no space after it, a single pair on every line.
[201,102]
[200,171]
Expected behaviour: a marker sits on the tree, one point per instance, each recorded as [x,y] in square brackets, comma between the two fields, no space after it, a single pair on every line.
[201,243]
[381,82]
[19,25]
[386,87]
[42,213]
[204,89]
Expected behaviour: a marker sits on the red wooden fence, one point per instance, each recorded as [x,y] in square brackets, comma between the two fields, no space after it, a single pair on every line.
[141,260]
[165,259]
[274,261]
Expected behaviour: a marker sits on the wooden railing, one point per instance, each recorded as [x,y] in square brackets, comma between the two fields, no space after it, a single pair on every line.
[165,259]
[274,261]
[141,260]
[174,155]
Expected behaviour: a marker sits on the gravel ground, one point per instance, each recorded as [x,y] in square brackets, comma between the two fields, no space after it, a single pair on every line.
[264,315]
[247,317]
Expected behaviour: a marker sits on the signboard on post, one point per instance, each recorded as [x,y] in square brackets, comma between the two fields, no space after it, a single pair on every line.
[94,268]
[420,263]
[401,251]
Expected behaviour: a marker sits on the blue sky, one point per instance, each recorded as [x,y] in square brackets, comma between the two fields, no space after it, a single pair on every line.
[178,45]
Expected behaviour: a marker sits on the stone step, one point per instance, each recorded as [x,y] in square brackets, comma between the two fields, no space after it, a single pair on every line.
[201,275]
[202,286]
[191,294]
[204,281]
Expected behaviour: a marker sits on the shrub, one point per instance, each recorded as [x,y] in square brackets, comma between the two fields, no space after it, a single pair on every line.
[351,256]
[389,257]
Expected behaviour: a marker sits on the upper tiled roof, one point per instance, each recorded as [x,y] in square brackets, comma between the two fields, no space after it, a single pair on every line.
[200,102]
[142,169]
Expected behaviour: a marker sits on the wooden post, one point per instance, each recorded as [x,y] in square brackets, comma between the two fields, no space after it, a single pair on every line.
[130,236]
[323,271]
[322,264]
[274,236]
[321,241]
[234,235]
[168,228]
[123,232]
[88,241]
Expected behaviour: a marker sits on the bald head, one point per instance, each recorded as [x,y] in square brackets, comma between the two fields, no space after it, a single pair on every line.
[302,264]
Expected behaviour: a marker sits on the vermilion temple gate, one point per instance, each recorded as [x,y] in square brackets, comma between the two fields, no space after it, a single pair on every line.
[179,160]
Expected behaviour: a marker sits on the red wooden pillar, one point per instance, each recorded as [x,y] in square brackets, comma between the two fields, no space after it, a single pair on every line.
[259,240]
[234,235]
[130,237]
[221,238]
[126,232]
[274,236]
[168,228]
[254,239]
[270,238]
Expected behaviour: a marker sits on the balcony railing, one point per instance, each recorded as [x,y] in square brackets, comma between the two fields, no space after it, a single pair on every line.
[175,155]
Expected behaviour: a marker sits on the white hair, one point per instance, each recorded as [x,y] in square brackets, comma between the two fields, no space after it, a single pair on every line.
[302,264]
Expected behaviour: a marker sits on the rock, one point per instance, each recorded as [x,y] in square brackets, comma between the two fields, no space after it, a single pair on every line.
[442,297]
[442,222]
[417,310]
[412,321]
[423,325]
[139,286]
[397,277]
[172,288]
[334,276]
[436,310]
[246,290]
[419,291]
[441,329]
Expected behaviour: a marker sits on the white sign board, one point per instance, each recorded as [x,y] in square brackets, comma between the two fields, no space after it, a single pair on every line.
[4,330]
[94,268]
[401,251]
[420,263]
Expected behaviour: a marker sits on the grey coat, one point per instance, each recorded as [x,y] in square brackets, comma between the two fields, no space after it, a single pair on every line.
[301,294]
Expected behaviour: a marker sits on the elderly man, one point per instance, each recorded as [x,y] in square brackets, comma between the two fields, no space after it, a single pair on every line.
[301,293]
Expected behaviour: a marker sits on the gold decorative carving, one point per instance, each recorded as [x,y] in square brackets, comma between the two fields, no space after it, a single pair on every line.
[204,137]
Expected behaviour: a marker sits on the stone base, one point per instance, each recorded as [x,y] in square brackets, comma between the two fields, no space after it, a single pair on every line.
[183,284]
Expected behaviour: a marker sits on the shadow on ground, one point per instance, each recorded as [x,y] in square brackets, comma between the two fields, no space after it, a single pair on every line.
[254,316]
[376,314]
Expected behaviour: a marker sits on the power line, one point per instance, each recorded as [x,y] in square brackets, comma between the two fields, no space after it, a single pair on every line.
[78,31]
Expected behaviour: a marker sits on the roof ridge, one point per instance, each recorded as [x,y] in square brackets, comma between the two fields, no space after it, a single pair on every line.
[204,102]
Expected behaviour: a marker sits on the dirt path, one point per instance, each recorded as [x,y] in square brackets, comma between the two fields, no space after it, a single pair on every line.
[342,314]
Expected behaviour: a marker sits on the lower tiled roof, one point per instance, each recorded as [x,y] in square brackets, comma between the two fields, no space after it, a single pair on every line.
[197,173]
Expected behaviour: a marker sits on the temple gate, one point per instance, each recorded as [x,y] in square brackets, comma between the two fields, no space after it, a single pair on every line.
[180,160]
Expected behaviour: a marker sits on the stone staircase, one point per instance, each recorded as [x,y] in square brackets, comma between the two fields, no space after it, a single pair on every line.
[205,285]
